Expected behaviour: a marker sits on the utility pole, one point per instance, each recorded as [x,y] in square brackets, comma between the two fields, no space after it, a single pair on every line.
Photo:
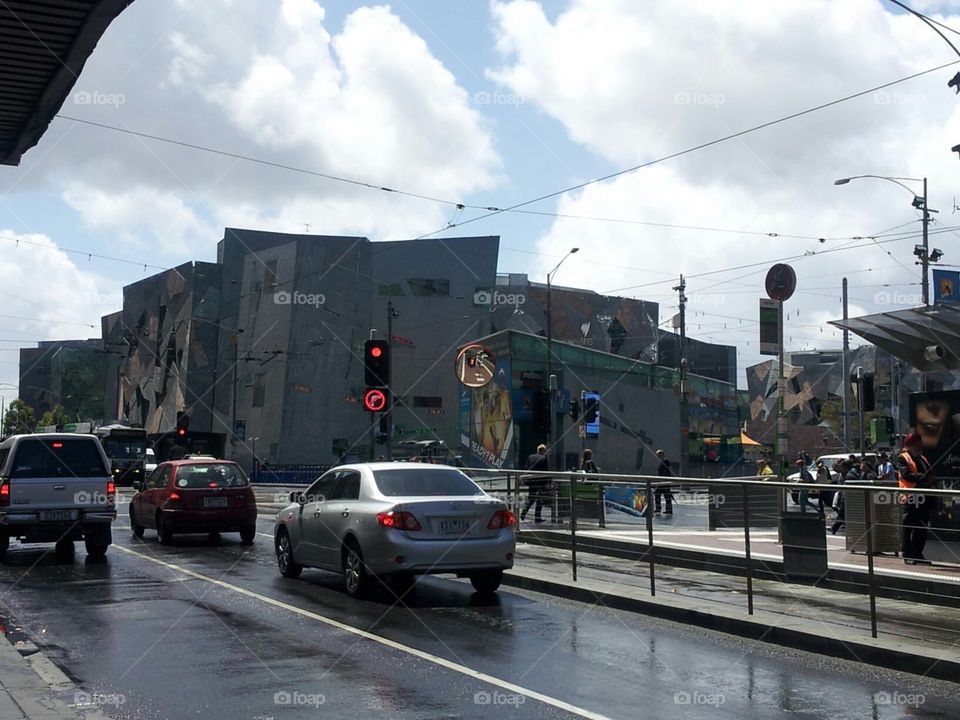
[391,314]
[925,258]
[782,435]
[684,407]
[845,371]
[860,409]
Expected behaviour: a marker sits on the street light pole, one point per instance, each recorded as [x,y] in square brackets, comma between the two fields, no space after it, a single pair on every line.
[551,381]
[925,258]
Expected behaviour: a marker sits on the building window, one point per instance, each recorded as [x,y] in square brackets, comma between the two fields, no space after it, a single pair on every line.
[429,287]
[427,401]
[391,289]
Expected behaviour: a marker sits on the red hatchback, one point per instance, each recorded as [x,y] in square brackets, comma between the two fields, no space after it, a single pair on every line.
[195,496]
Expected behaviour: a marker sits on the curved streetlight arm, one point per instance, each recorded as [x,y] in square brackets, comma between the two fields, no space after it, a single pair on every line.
[893,179]
[554,271]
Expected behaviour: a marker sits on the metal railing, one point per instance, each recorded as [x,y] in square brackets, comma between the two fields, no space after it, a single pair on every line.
[859,501]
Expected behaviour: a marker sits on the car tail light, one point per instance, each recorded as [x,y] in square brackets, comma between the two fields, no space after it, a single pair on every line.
[111,492]
[399,519]
[4,493]
[502,519]
[56,445]
[172,499]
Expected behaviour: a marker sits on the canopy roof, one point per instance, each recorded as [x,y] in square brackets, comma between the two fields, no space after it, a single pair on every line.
[43,47]
[928,338]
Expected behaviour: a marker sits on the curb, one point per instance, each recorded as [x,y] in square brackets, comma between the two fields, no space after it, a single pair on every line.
[32,687]
[761,626]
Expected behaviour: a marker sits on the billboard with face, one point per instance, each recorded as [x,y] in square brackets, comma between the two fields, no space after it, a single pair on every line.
[935,417]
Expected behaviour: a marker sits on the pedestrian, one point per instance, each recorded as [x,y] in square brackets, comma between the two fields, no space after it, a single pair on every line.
[824,496]
[914,471]
[764,469]
[537,486]
[806,478]
[588,465]
[663,492]
[886,472]
[844,469]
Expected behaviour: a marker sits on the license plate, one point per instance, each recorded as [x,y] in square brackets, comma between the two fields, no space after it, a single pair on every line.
[214,502]
[453,526]
[58,515]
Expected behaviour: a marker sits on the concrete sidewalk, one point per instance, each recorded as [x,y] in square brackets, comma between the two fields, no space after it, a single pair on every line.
[912,637]
[33,688]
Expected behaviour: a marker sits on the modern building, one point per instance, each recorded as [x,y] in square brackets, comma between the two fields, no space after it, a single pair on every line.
[640,409]
[162,355]
[262,350]
[68,373]
[296,310]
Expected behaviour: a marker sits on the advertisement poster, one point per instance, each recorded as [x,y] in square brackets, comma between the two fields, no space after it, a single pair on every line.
[625,504]
[935,416]
[492,423]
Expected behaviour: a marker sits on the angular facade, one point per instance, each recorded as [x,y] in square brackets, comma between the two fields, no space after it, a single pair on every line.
[162,350]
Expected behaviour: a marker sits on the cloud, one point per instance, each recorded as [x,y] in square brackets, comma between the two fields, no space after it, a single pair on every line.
[46,296]
[366,101]
[633,82]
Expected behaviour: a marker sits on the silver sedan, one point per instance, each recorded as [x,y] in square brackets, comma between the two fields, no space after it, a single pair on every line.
[395,521]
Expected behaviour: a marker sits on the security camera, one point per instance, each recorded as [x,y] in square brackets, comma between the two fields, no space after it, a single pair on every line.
[933,353]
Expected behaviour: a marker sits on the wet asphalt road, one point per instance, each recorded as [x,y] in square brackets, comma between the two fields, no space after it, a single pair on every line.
[177,645]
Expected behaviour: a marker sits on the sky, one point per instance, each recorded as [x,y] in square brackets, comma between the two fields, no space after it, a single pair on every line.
[495,104]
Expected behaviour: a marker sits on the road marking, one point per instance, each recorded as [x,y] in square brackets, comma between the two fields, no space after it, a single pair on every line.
[423,655]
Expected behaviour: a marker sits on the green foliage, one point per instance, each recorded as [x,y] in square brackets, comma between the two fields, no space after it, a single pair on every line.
[19,418]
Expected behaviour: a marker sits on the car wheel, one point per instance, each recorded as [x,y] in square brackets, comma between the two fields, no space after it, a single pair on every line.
[96,548]
[795,496]
[213,538]
[134,525]
[356,579]
[64,549]
[164,536]
[487,581]
[4,546]
[288,566]
[247,534]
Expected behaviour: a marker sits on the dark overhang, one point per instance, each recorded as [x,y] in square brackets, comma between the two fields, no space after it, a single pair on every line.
[928,338]
[44,45]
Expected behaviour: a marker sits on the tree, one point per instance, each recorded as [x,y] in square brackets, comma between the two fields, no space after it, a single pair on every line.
[19,418]
[57,416]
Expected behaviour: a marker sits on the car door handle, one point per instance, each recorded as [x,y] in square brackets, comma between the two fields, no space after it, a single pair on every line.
[316,513]
[345,513]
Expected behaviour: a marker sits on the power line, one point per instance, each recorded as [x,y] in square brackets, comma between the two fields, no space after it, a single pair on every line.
[89,255]
[689,150]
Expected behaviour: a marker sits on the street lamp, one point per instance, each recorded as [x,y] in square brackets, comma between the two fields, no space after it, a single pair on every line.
[920,202]
[551,380]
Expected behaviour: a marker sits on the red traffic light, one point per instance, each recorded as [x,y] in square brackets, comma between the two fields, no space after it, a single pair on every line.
[374,400]
[181,432]
[376,351]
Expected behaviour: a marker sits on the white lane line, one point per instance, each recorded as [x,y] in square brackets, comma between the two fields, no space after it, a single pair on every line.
[423,655]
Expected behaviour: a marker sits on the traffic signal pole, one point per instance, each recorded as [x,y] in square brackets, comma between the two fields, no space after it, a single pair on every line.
[389,411]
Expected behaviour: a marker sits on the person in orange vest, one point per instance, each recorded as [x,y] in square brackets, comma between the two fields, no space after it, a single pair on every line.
[914,471]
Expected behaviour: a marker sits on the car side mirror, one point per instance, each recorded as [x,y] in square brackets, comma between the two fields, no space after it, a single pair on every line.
[138,485]
[296,497]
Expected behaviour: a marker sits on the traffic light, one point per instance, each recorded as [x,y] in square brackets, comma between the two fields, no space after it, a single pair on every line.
[183,423]
[375,399]
[541,412]
[869,401]
[376,363]
[575,409]
[383,429]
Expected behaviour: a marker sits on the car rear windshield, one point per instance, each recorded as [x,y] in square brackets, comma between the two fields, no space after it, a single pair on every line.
[213,475]
[36,458]
[408,482]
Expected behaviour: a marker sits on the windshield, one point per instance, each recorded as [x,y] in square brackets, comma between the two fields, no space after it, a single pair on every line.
[406,482]
[125,448]
[212,475]
[37,458]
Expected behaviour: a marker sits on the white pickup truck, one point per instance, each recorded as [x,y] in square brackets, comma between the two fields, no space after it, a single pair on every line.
[56,487]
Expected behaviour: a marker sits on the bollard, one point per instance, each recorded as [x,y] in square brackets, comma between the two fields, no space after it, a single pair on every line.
[601,509]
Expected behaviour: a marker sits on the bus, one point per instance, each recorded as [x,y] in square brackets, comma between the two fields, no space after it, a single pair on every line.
[126,448]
